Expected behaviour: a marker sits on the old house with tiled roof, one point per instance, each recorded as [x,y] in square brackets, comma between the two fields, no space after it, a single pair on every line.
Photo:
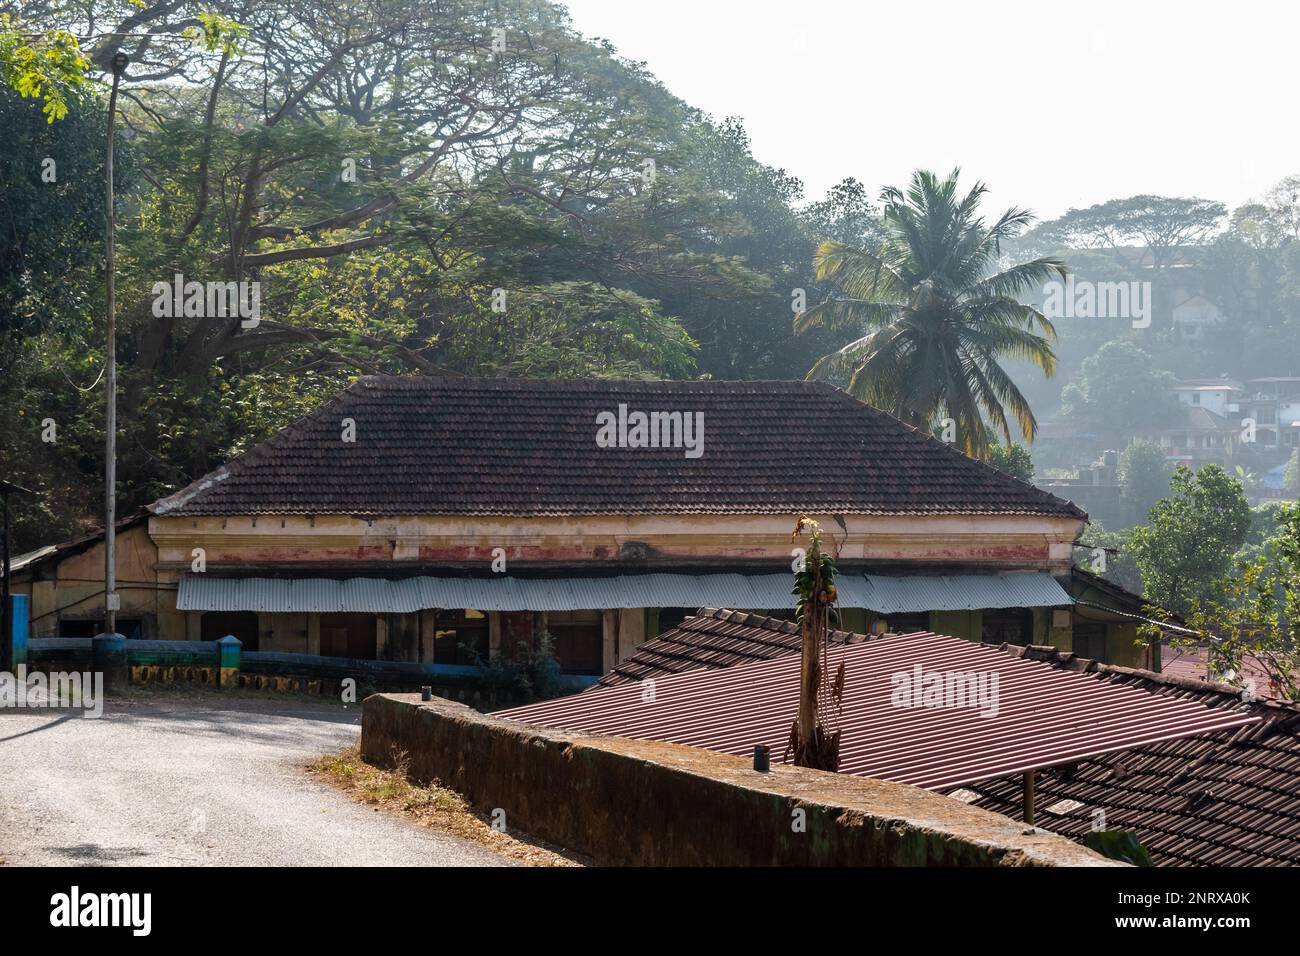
[440,520]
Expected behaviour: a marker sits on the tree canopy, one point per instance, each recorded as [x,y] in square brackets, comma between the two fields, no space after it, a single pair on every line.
[935,314]
[1192,536]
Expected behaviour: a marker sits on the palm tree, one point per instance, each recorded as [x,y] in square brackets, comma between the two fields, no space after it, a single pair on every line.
[935,314]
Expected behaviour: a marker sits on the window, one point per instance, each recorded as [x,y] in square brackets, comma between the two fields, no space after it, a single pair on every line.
[215,625]
[579,639]
[348,635]
[909,623]
[671,617]
[130,628]
[1090,641]
[460,637]
[1013,625]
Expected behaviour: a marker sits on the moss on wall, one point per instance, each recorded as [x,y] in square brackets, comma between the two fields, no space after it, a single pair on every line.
[641,802]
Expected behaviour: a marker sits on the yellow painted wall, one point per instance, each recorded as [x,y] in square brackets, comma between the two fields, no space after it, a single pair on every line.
[964,624]
[73,588]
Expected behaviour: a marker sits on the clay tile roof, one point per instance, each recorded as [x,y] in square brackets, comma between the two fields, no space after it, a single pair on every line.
[458,446]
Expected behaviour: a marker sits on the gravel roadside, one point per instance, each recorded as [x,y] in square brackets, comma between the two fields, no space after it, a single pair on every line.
[197,781]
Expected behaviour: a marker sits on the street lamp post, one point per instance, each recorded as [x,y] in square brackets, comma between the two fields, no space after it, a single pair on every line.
[111,600]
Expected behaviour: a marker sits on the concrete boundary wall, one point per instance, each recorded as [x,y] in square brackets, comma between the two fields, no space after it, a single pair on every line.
[637,802]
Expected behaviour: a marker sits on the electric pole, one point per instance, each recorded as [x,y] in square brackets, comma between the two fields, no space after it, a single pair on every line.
[111,600]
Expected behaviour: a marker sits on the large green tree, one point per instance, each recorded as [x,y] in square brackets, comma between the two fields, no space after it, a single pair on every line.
[935,314]
[1188,545]
[415,186]
[1120,392]
[1246,621]
[1143,476]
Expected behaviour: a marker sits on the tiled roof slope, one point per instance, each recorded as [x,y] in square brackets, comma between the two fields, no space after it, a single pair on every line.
[459,446]
[1230,798]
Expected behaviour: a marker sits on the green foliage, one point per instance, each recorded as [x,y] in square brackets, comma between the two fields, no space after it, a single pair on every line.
[1157,223]
[1187,548]
[934,315]
[1248,616]
[814,580]
[531,673]
[1120,392]
[1107,553]
[47,66]
[1291,476]
[216,32]
[51,215]
[1014,459]
[381,174]
[1122,845]
[1143,475]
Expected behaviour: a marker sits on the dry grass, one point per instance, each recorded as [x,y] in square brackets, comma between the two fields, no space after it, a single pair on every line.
[433,806]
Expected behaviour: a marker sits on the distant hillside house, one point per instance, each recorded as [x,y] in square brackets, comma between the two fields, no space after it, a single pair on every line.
[1225,419]
[445,520]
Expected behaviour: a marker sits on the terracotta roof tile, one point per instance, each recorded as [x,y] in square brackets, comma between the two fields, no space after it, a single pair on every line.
[458,446]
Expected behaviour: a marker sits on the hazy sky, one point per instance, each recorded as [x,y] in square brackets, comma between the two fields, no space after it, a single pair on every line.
[1053,105]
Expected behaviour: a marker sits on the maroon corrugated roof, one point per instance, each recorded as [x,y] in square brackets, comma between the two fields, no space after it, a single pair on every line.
[459,446]
[1226,798]
[1044,715]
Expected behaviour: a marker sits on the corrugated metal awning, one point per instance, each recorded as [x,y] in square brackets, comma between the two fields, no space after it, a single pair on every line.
[504,593]
[1030,715]
[204,592]
[961,592]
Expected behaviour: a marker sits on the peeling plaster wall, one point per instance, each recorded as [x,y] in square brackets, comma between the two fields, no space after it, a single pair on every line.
[73,588]
[1012,542]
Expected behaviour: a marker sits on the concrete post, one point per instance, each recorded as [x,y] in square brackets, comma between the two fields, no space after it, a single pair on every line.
[228,653]
[108,657]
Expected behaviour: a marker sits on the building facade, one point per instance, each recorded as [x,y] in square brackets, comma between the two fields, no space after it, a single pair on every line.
[448,521]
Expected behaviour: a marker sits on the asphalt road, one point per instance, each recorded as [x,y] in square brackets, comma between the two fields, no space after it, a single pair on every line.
[193,783]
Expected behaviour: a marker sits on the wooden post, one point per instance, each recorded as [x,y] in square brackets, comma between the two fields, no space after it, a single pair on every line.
[1028,797]
[808,676]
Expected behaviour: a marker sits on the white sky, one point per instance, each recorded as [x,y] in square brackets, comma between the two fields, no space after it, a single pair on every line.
[1052,104]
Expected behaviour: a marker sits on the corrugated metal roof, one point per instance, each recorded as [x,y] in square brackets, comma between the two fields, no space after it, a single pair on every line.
[1220,799]
[1044,715]
[506,593]
[961,592]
